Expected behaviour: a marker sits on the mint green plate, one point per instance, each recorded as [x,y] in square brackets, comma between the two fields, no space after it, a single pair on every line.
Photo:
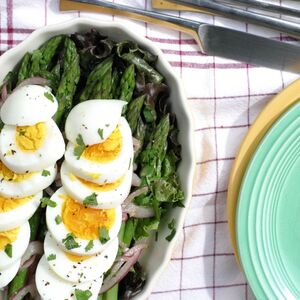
[268,214]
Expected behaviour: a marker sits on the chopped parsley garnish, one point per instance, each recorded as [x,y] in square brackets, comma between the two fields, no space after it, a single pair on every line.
[8,250]
[106,125]
[89,246]
[45,201]
[103,235]
[83,295]
[90,200]
[171,226]
[51,257]
[46,173]
[100,132]
[49,96]
[58,219]
[70,242]
[78,150]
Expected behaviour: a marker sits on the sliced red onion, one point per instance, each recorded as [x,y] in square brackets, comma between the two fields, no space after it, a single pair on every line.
[134,210]
[124,218]
[138,212]
[122,266]
[29,262]
[34,248]
[49,191]
[136,144]
[134,194]
[136,180]
[34,80]
[3,293]
[28,289]
[4,91]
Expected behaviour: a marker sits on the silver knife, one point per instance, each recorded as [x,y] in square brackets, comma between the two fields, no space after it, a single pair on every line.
[266,6]
[291,28]
[220,41]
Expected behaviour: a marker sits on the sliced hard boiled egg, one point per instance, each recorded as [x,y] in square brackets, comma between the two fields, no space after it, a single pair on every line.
[15,212]
[93,120]
[52,287]
[28,105]
[79,268]
[26,149]
[73,225]
[7,275]
[13,244]
[13,185]
[105,162]
[107,195]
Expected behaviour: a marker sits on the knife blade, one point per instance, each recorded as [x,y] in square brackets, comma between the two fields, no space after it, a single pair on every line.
[219,41]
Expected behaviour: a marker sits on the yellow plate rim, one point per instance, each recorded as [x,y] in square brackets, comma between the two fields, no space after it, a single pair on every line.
[273,110]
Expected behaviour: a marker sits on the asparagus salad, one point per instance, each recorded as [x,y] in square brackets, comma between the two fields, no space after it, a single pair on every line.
[89,153]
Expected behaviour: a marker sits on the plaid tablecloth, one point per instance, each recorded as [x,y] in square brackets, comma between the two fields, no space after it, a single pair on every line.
[225,97]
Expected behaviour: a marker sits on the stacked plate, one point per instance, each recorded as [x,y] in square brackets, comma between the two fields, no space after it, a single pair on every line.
[264,199]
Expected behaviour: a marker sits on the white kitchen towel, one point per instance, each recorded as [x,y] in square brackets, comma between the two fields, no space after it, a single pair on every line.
[225,97]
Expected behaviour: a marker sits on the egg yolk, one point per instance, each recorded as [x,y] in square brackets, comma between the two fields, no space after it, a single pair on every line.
[77,258]
[31,138]
[8,237]
[9,175]
[84,222]
[101,187]
[7,204]
[106,151]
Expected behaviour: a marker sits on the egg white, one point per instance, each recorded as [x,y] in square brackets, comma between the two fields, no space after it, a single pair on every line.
[21,162]
[28,105]
[29,186]
[87,117]
[103,172]
[60,231]
[19,247]
[7,275]
[86,270]
[106,199]
[52,287]
[21,214]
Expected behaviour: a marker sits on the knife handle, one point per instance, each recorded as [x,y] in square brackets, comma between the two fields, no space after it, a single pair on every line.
[188,26]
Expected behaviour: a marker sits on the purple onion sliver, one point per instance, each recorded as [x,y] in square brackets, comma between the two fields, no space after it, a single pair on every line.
[131,257]
[28,289]
[34,248]
[34,80]
[134,194]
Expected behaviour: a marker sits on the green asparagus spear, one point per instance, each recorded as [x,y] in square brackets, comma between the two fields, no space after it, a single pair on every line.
[94,78]
[102,89]
[24,68]
[154,154]
[127,84]
[41,58]
[9,81]
[18,282]
[49,49]
[134,111]
[143,66]
[69,80]
[114,84]
[36,57]
[129,231]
